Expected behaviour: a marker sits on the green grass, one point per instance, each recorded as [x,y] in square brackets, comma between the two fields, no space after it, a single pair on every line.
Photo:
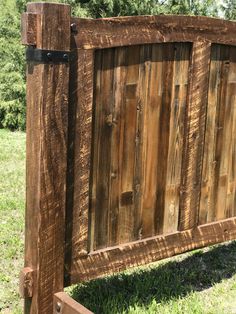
[200,282]
[203,281]
[12,198]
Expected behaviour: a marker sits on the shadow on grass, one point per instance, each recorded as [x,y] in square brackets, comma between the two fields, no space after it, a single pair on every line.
[174,279]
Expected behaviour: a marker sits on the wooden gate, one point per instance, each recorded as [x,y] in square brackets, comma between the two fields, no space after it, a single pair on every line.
[131,139]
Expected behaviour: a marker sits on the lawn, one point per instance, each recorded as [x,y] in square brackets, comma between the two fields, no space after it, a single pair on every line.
[203,281]
[12,198]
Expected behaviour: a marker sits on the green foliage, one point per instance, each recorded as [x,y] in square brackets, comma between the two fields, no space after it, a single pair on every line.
[12,63]
[12,78]
[106,8]
[193,7]
[229,7]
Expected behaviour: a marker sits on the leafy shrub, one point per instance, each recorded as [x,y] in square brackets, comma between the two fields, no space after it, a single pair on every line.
[12,69]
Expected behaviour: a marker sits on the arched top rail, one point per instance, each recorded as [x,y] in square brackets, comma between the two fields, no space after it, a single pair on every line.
[135,30]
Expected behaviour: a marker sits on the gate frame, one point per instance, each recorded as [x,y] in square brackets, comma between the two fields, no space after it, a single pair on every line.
[47,144]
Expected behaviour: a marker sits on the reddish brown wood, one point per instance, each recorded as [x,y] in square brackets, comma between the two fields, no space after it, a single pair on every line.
[26,282]
[81,92]
[64,304]
[135,30]
[46,159]
[29,28]
[112,192]
[194,135]
[218,178]
[52,33]
[142,252]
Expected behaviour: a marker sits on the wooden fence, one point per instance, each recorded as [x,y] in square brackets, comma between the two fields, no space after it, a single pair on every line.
[131,139]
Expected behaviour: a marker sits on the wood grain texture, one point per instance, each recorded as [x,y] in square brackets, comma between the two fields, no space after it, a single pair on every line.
[29,28]
[64,304]
[135,30]
[137,155]
[56,22]
[194,135]
[102,146]
[176,136]
[26,282]
[218,177]
[142,252]
[46,158]
[81,92]
[139,104]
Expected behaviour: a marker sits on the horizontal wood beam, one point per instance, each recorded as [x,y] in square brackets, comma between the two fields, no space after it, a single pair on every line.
[64,304]
[142,252]
[135,30]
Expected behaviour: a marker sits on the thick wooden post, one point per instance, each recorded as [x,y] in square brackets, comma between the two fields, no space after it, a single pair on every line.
[47,27]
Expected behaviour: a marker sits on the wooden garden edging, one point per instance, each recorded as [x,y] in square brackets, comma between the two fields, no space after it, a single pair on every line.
[131,125]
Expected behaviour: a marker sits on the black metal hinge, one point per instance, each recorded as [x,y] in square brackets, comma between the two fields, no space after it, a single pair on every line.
[46,56]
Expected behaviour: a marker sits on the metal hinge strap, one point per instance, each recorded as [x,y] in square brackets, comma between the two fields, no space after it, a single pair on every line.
[46,56]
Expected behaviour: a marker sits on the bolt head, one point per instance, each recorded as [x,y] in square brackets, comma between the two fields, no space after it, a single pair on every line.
[73,27]
[58,307]
[49,55]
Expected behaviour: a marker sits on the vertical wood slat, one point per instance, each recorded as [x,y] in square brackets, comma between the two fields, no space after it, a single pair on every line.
[143,71]
[47,104]
[164,133]
[116,143]
[231,184]
[102,147]
[127,145]
[151,136]
[194,135]
[176,136]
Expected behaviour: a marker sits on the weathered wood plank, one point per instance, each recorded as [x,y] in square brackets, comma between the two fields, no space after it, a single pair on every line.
[117,126]
[164,134]
[64,304]
[194,135]
[231,186]
[135,30]
[176,135]
[127,146]
[46,158]
[220,174]
[102,147]
[150,139]
[150,250]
